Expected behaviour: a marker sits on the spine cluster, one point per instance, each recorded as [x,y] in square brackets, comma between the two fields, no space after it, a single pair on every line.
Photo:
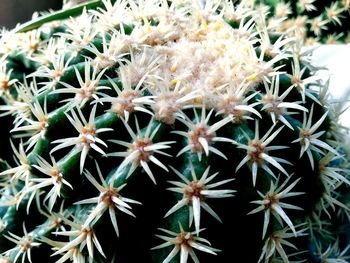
[312,21]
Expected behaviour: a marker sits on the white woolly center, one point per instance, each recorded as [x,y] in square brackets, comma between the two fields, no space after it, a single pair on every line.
[195,53]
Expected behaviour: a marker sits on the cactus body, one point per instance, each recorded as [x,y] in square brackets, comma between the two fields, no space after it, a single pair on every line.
[167,132]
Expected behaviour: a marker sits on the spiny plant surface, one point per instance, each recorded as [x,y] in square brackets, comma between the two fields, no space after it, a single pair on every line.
[168,132]
[314,21]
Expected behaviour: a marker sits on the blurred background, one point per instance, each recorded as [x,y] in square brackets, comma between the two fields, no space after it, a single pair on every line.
[336,58]
[19,11]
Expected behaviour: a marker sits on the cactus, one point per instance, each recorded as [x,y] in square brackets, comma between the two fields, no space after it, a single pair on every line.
[314,21]
[167,132]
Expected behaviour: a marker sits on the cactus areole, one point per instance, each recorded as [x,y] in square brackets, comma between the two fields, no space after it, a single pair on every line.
[167,131]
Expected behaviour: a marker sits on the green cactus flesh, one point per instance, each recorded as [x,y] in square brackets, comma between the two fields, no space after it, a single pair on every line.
[168,132]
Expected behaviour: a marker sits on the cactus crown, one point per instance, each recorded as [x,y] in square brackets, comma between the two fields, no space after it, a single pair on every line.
[163,131]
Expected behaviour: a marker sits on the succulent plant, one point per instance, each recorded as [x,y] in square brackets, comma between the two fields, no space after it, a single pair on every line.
[314,21]
[167,132]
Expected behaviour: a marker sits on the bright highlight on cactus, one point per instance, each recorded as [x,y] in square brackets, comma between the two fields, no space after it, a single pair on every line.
[136,117]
